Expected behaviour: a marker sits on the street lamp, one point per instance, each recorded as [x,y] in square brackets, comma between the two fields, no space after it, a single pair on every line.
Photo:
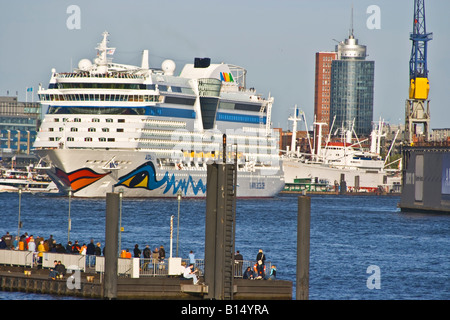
[120,219]
[178,223]
[20,201]
[69,227]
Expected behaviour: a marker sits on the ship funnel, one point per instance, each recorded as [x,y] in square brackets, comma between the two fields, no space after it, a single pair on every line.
[144,63]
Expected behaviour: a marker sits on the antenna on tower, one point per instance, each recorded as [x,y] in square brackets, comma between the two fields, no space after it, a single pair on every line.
[351,24]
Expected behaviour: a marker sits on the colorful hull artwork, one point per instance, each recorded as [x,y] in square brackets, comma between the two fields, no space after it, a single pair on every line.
[144,176]
[80,178]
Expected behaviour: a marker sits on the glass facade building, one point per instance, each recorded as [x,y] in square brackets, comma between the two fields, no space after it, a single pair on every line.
[351,98]
[19,122]
[352,85]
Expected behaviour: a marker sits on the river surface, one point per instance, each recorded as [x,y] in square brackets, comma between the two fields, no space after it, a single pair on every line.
[362,247]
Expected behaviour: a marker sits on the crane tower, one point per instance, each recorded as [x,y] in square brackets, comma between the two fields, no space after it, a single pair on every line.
[417,109]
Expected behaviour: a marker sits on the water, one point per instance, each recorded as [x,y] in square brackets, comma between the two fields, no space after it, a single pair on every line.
[348,234]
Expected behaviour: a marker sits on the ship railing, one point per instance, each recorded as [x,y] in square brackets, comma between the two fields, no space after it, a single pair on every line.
[117,75]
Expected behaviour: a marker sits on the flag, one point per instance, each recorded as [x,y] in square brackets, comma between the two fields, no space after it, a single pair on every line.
[29,89]
[110,51]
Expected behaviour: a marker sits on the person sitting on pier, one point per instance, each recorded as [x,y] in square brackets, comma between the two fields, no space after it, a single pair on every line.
[249,274]
[61,269]
[190,274]
[53,272]
[273,273]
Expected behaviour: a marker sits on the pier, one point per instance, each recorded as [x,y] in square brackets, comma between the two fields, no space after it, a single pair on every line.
[89,284]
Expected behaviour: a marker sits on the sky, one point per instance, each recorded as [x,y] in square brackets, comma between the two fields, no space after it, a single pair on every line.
[275,41]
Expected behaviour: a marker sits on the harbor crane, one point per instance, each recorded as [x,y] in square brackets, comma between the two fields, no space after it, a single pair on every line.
[417,109]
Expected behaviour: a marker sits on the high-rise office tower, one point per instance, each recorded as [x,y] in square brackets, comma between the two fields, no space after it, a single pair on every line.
[322,88]
[352,82]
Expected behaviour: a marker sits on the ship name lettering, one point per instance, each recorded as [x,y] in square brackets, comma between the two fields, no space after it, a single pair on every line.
[257,185]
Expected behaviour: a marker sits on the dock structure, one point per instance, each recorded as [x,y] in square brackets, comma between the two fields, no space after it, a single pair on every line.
[91,285]
[426,179]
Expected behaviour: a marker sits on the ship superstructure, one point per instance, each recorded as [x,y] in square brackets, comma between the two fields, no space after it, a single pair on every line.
[333,162]
[148,132]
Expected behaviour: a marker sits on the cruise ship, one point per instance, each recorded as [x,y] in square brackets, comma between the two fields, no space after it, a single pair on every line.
[146,132]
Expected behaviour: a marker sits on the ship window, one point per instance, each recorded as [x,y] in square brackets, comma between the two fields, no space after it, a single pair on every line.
[77,120]
[50,129]
[88,139]
[111,139]
[70,139]
[119,129]
[102,139]
[51,139]
[91,129]
[109,120]
[56,119]
[74,129]
[105,129]
[121,120]
[61,129]
[96,120]
[176,100]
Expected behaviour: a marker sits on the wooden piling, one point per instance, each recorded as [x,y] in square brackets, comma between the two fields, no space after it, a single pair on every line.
[111,245]
[303,242]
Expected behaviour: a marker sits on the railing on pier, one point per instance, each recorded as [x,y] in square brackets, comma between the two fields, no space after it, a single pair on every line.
[126,267]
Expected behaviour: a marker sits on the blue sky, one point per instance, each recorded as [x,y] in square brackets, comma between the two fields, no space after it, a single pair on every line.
[275,41]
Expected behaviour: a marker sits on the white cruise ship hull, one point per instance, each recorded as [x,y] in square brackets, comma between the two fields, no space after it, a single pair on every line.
[91,173]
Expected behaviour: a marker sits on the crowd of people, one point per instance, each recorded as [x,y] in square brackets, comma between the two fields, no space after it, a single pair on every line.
[40,245]
[258,272]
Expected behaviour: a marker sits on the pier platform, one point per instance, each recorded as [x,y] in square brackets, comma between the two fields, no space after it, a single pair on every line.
[89,285]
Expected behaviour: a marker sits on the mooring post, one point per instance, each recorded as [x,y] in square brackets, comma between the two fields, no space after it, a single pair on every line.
[111,245]
[303,241]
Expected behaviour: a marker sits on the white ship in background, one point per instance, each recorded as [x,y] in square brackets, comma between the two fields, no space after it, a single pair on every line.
[29,181]
[150,133]
[334,162]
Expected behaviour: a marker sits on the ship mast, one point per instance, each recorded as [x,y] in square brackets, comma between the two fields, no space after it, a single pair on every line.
[102,51]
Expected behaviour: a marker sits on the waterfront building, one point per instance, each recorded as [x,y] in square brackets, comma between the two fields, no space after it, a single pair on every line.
[19,123]
[322,88]
[352,85]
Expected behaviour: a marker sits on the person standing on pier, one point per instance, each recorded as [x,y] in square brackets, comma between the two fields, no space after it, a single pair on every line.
[98,249]
[31,245]
[137,251]
[90,253]
[41,250]
[76,247]
[238,262]
[162,254]
[147,253]
[69,247]
[192,258]
[7,238]
[261,256]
